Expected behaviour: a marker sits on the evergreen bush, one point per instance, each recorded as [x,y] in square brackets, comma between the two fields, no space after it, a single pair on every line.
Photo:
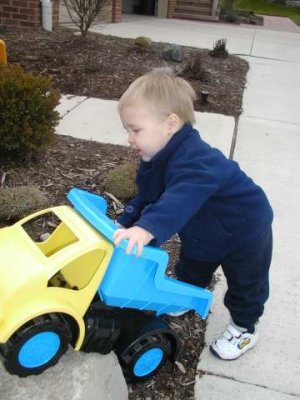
[121,181]
[219,49]
[27,112]
[143,41]
[19,201]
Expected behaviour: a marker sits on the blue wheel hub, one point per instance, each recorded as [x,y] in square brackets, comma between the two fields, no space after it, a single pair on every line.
[39,349]
[148,362]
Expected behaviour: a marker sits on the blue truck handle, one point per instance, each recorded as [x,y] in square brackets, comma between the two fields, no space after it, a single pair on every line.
[93,208]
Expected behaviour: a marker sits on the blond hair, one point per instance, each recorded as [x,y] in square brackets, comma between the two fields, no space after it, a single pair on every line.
[164,92]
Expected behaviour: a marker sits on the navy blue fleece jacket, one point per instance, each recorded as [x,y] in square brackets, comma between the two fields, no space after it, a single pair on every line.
[192,189]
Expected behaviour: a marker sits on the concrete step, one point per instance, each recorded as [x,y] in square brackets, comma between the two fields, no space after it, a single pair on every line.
[201,9]
[194,9]
[203,17]
[195,3]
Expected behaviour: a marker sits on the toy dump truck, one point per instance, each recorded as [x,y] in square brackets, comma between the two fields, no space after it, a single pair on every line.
[75,288]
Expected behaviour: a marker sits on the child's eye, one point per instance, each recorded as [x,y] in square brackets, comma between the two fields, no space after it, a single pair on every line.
[134,131]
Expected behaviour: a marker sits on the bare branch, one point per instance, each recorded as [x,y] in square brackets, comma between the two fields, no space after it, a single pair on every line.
[84,12]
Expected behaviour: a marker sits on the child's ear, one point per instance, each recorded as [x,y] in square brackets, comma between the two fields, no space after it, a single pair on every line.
[174,123]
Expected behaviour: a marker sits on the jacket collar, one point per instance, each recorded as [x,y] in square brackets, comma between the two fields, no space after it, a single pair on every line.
[150,175]
[164,154]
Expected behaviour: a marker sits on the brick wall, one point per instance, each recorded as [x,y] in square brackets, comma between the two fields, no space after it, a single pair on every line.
[26,13]
[55,13]
[116,10]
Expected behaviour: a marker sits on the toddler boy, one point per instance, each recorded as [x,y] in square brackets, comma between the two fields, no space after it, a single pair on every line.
[187,187]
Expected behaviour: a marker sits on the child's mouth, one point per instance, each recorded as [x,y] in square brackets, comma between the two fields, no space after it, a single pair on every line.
[139,151]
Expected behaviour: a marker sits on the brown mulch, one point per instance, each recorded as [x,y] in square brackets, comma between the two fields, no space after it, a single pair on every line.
[103,67]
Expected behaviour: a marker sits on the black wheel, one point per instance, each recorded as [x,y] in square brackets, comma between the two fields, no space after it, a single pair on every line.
[37,345]
[142,358]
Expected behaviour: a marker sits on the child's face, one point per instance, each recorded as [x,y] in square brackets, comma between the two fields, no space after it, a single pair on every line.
[148,133]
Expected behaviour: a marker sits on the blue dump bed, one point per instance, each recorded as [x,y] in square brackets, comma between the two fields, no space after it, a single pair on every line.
[138,282]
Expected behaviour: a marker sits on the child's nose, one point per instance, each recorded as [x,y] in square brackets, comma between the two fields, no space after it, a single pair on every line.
[130,139]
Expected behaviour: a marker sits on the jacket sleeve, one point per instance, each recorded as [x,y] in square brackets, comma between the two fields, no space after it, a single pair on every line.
[190,182]
[132,211]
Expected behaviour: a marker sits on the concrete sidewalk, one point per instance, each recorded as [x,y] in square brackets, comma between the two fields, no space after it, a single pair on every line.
[98,120]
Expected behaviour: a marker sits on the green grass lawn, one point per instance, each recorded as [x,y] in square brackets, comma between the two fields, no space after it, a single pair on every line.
[264,8]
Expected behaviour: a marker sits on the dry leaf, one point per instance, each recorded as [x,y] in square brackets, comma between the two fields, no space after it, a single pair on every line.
[180,367]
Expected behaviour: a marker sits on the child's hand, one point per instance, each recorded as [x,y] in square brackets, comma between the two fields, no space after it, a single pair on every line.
[136,236]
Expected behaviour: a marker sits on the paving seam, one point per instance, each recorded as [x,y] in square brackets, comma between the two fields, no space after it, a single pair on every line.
[252,44]
[265,58]
[77,105]
[231,378]
[278,121]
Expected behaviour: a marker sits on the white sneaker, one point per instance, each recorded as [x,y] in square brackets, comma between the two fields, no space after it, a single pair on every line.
[233,343]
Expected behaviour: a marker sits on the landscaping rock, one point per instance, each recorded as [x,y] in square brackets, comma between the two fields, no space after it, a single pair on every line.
[173,53]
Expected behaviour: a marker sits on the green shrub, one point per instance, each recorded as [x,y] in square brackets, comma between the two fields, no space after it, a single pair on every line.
[27,117]
[121,181]
[231,16]
[219,49]
[17,202]
[143,41]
